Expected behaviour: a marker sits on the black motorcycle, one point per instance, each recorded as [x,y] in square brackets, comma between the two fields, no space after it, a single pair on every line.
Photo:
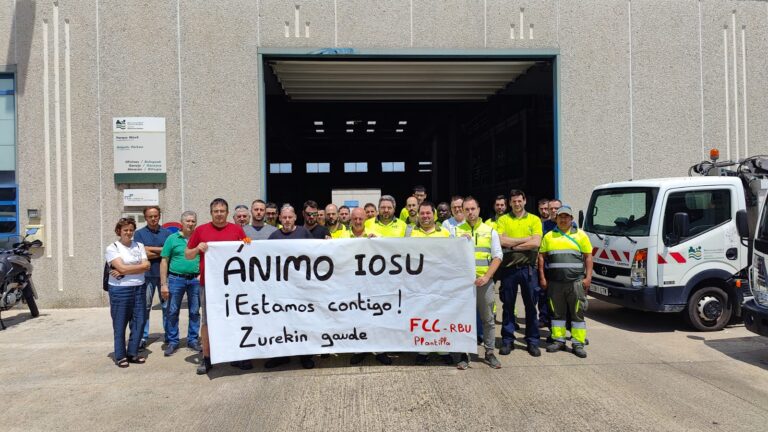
[16,277]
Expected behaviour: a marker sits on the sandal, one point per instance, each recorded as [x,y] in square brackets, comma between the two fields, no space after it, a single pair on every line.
[122,363]
[137,359]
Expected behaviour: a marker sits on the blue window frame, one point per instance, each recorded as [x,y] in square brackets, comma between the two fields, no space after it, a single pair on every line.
[9,191]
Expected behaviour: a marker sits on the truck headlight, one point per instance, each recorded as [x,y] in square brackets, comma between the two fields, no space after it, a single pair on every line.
[638,275]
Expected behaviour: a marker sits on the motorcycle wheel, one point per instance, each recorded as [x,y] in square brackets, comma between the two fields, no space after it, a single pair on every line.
[29,297]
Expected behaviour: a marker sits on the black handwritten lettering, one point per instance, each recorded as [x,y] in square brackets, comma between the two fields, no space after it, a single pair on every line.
[331,337]
[254,262]
[373,260]
[360,271]
[398,268]
[239,303]
[238,271]
[328,272]
[408,264]
[360,304]
[284,338]
[296,261]
[226,304]
[247,331]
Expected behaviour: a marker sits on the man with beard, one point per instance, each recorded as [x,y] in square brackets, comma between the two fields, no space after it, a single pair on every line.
[311,215]
[258,229]
[334,224]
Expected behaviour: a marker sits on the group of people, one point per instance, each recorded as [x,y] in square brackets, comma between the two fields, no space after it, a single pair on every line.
[545,258]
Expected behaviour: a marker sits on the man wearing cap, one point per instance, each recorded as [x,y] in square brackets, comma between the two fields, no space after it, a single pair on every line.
[568,254]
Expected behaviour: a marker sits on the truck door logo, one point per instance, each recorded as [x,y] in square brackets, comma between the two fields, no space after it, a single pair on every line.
[694,253]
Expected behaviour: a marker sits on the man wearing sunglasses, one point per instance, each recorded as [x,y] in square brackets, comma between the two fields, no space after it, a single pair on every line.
[310,214]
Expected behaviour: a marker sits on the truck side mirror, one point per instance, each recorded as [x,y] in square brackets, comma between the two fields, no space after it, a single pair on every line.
[681,225]
[742,224]
[581,218]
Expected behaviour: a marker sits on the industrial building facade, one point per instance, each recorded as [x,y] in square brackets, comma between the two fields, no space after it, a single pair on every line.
[292,100]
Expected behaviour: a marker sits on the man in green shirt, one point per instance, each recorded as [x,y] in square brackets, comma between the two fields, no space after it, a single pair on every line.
[179,276]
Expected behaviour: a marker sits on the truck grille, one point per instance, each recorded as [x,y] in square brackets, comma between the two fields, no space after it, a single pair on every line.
[607,271]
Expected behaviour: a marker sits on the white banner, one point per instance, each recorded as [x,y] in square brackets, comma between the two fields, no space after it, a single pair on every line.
[279,298]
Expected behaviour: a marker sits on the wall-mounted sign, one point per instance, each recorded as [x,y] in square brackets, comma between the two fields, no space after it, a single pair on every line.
[139,146]
[141,197]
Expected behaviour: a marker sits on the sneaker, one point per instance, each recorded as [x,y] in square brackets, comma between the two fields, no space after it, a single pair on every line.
[142,345]
[533,350]
[463,363]
[507,348]
[422,359]
[357,358]
[307,362]
[492,361]
[555,347]
[384,359]
[447,359]
[578,350]
[195,346]
[170,349]
[275,362]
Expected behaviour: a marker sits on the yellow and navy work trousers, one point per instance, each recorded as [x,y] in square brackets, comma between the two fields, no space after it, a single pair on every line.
[563,297]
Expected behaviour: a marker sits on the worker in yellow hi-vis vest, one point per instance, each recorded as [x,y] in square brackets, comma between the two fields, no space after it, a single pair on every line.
[567,252]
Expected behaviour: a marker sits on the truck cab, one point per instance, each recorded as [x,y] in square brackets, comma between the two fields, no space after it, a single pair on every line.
[671,245]
[755,309]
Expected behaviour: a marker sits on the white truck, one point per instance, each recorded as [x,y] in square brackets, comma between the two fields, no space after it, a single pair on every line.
[680,244]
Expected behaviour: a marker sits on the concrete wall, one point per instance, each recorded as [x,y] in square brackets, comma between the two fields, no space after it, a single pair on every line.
[642,92]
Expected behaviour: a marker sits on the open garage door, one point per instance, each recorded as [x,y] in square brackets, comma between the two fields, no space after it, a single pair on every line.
[457,126]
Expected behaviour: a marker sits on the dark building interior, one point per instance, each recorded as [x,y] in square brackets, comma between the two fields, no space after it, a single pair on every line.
[442,128]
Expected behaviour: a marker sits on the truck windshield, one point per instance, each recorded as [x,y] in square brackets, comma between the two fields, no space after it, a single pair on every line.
[621,211]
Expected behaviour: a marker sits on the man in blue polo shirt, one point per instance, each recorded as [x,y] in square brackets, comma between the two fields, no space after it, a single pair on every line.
[153,238]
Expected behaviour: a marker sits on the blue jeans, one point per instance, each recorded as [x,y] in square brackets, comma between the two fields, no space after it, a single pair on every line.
[153,284]
[126,305]
[178,287]
[527,279]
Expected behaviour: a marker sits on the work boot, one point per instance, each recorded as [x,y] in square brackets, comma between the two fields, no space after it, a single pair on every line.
[507,348]
[533,350]
[555,347]
[578,350]
[384,359]
[463,363]
[422,359]
[492,361]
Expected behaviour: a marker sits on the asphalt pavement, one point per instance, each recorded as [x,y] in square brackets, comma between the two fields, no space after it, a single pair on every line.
[644,372]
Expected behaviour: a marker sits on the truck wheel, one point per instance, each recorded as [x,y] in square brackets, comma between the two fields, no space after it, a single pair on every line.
[30,299]
[708,309]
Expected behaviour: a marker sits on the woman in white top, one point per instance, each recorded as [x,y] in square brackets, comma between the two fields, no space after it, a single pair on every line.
[127,298]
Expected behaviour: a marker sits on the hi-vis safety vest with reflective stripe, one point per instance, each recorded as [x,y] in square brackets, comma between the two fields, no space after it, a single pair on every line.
[481,235]
[566,263]
[342,232]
